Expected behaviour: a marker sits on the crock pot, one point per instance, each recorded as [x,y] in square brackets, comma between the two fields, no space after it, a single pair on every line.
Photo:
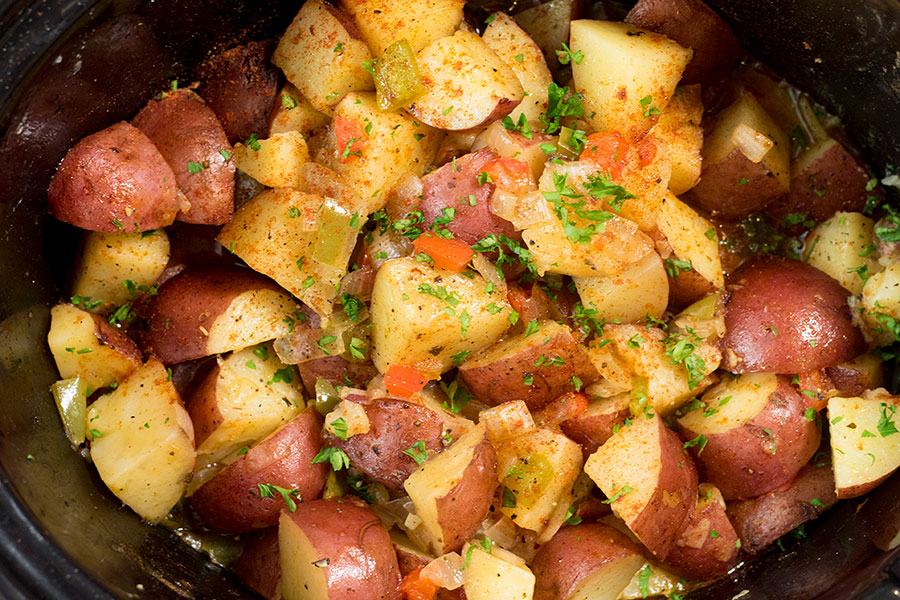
[71,67]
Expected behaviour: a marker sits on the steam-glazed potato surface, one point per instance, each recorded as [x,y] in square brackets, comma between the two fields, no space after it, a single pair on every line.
[470,305]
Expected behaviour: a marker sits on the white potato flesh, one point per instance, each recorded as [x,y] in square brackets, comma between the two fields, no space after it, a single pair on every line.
[279,234]
[301,578]
[843,248]
[506,420]
[251,318]
[524,57]
[423,316]
[79,353]
[393,144]
[108,260]
[420,22]
[322,54]
[466,84]
[274,161]
[692,238]
[679,127]
[865,443]
[880,304]
[736,402]
[496,575]
[641,289]
[143,442]
[295,113]
[434,480]
[538,467]
[253,399]
[627,75]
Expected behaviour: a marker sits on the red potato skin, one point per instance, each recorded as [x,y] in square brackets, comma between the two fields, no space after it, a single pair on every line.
[591,430]
[230,502]
[116,339]
[114,180]
[185,130]
[661,521]
[450,186]
[334,370]
[720,193]
[363,564]
[807,308]
[395,426]
[686,288]
[462,510]
[834,182]
[240,85]
[259,566]
[575,553]
[697,554]
[693,25]
[503,380]
[762,520]
[741,463]
[850,382]
[193,299]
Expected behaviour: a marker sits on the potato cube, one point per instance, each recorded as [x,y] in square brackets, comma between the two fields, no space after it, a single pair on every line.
[275,161]
[383,22]
[423,317]
[842,247]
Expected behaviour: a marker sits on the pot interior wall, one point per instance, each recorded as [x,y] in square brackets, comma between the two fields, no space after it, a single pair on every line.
[78,66]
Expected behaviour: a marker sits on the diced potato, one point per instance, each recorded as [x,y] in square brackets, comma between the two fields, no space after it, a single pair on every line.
[322,54]
[627,75]
[422,317]
[651,580]
[842,247]
[640,290]
[615,372]
[70,396]
[394,144]
[525,58]
[240,402]
[537,469]
[383,22]
[142,442]
[108,260]
[294,113]
[692,238]
[496,575]
[466,84]
[510,144]
[658,382]
[608,253]
[313,239]
[506,420]
[275,161]
[863,449]
[745,162]
[679,127]
[880,306]
[84,345]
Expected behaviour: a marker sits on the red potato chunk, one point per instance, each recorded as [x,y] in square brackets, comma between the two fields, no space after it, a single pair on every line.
[756,435]
[595,425]
[233,502]
[240,86]
[453,186]
[115,180]
[535,367]
[336,370]
[191,139]
[210,310]
[336,549]
[708,546]
[784,316]
[259,566]
[824,180]
[693,25]
[395,426]
[589,560]
[762,520]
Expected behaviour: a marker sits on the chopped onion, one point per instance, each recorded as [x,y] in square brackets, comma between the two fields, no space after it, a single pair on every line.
[751,143]
[354,416]
[445,571]
[302,345]
[505,534]
[815,131]
[412,521]
[556,520]
[522,211]
[321,181]
[359,283]
[386,246]
[490,272]
[405,196]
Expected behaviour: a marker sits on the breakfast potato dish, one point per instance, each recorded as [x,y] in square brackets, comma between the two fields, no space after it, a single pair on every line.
[486,306]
